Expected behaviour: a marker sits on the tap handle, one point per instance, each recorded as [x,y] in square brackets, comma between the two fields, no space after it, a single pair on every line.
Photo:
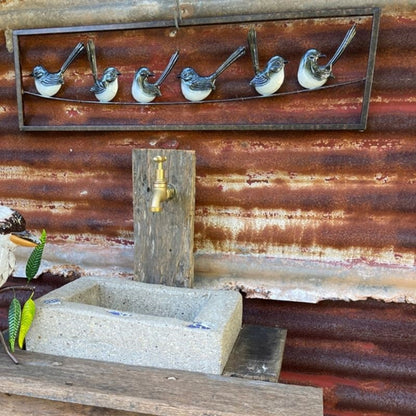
[160,173]
[159,160]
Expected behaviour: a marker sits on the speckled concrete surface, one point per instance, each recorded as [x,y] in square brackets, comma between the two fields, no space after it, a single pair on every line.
[118,320]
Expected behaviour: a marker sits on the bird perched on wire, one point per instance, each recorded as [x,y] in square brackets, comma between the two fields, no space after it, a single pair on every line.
[195,87]
[105,89]
[49,83]
[142,90]
[12,233]
[270,79]
[311,74]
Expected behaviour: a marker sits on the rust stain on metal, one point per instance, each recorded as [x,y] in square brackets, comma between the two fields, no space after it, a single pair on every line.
[257,293]
[360,353]
[322,195]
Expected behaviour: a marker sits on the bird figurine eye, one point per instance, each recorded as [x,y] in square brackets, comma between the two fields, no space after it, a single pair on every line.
[187,74]
[38,71]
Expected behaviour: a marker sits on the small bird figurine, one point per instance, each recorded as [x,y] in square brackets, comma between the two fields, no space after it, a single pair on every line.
[311,74]
[12,233]
[142,90]
[49,83]
[270,79]
[105,89]
[195,87]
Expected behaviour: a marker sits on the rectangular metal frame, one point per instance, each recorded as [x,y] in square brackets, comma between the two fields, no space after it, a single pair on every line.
[368,80]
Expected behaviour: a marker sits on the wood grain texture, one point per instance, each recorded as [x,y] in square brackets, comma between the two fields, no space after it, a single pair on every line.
[151,391]
[24,406]
[164,240]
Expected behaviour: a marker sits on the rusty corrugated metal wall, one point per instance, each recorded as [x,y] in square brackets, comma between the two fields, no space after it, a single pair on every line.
[320,197]
[361,353]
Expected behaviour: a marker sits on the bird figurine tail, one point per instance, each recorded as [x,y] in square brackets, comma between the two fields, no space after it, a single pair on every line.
[168,68]
[252,43]
[92,58]
[75,52]
[341,48]
[238,53]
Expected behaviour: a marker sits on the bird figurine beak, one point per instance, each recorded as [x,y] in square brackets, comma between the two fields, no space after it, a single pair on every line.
[24,239]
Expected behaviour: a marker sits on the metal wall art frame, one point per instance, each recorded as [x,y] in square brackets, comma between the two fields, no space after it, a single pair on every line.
[341,104]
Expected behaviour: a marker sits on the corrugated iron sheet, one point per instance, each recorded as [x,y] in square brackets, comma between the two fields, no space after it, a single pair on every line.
[339,195]
[361,353]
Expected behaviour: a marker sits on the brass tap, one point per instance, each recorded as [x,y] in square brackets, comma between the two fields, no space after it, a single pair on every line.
[161,190]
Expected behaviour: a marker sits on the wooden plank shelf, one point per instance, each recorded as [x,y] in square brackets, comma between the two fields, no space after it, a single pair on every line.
[51,385]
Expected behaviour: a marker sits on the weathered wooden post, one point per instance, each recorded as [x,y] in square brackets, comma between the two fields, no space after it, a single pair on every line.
[164,240]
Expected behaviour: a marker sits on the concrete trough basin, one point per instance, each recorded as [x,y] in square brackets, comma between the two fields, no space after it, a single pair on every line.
[117,320]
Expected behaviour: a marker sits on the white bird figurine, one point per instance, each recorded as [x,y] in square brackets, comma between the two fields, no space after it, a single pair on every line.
[312,75]
[106,88]
[49,83]
[195,87]
[270,79]
[144,91]
[12,233]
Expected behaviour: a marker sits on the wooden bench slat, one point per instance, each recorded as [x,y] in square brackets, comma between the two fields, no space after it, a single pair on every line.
[151,391]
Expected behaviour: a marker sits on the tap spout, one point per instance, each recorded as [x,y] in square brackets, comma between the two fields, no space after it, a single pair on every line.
[161,193]
[161,190]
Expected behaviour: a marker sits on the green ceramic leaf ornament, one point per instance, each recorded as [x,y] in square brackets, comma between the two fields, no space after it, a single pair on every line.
[33,263]
[15,313]
[28,313]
